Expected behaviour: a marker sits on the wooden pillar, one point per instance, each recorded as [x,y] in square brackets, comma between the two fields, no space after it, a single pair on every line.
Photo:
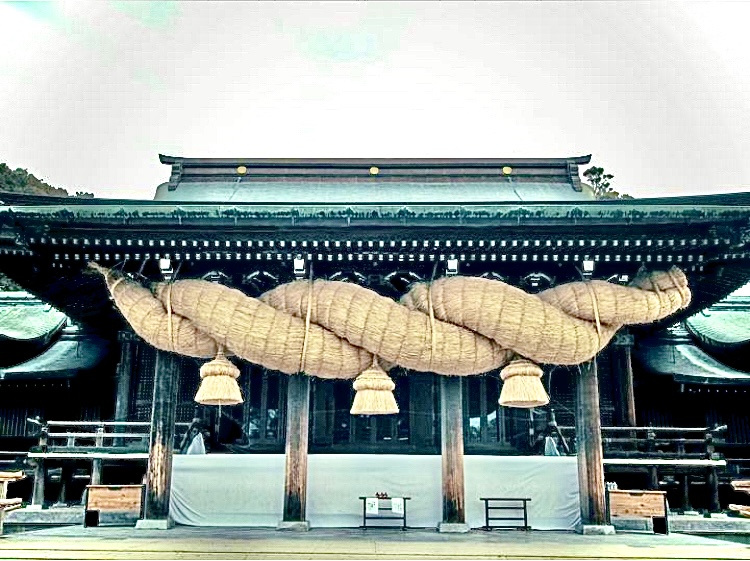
[452,448]
[40,474]
[96,465]
[124,370]
[589,439]
[161,445]
[37,493]
[66,474]
[685,492]
[297,430]
[712,484]
[622,350]
[128,346]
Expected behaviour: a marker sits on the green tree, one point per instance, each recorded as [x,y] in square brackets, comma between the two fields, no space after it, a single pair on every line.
[21,181]
[600,183]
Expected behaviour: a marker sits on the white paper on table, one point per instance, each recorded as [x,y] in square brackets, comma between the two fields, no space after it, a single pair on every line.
[397,505]
[371,505]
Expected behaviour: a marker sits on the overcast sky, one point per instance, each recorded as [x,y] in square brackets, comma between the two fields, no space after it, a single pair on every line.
[658,92]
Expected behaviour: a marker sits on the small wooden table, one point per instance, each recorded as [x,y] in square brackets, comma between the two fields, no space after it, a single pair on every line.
[381,506]
[114,499]
[508,503]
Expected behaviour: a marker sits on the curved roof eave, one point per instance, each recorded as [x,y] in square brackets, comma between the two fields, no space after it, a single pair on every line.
[64,359]
[690,365]
[29,322]
[728,329]
[358,162]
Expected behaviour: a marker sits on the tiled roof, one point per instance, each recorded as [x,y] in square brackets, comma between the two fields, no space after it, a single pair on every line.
[373,192]
[23,318]
[377,180]
[688,364]
[724,328]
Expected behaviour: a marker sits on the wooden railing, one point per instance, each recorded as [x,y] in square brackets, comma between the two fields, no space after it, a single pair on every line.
[10,459]
[657,442]
[107,436]
[65,442]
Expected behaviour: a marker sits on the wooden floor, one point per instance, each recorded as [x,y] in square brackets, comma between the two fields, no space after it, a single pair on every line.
[184,542]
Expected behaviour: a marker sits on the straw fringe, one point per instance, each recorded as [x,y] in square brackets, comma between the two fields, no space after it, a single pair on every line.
[218,390]
[374,393]
[219,382]
[522,385]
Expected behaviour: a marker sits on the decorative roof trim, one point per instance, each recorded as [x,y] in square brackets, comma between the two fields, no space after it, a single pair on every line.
[360,162]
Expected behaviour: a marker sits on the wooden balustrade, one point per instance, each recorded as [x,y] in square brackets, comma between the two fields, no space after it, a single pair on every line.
[96,441]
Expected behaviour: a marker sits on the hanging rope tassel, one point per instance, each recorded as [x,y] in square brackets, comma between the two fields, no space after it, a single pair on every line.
[219,382]
[522,385]
[374,393]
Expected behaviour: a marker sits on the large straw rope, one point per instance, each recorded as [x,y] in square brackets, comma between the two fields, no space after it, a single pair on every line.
[479,324]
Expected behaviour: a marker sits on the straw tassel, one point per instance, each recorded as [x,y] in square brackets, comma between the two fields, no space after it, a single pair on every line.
[219,382]
[374,393]
[522,385]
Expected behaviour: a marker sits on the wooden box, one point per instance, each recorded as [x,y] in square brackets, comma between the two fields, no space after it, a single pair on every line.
[623,503]
[125,500]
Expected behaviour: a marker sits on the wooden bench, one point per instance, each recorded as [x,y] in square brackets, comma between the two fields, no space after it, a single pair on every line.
[113,499]
[506,504]
[6,505]
[635,504]
[743,486]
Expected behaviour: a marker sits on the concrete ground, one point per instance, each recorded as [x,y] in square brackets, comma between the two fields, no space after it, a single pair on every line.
[183,542]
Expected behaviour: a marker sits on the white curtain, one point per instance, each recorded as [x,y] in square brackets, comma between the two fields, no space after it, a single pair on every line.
[247,489]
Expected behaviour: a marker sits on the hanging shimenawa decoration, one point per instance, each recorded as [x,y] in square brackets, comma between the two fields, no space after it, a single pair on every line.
[453,326]
[374,393]
[219,382]
[521,385]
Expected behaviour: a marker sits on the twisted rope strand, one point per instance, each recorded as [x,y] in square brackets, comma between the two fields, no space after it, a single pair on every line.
[343,344]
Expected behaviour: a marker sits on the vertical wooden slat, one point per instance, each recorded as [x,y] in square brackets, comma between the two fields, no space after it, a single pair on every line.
[297,429]
[452,445]
[589,438]
[124,370]
[263,406]
[164,409]
[421,411]
[246,380]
